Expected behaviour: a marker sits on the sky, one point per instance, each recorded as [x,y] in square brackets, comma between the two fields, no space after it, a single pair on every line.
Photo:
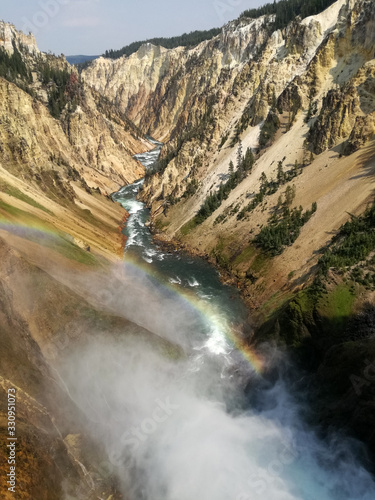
[90,27]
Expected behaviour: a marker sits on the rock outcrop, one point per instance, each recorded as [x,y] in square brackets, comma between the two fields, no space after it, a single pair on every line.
[9,36]
[336,119]
[92,136]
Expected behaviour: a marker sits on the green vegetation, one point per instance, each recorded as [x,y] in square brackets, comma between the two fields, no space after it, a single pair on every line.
[13,69]
[228,212]
[214,200]
[324,308]
[318,313]
[62,85]
[220,255]
[60,244]
[186,40]
[260,262]
[223,140]
[56,242]
[268,188]
[88,216]
[283,230]
[63,88]
[269,129]
[189,226]
[246,254]
[16,193]
[191,188]
[331,326]
[9,212]
[287,10]
[71,251]
[337,306]
[352,245]
[13,211]
[12,66]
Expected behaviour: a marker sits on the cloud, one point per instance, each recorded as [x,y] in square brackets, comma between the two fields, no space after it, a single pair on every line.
[81,22]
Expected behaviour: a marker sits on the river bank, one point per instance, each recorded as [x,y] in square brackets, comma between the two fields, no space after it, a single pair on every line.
[236,280]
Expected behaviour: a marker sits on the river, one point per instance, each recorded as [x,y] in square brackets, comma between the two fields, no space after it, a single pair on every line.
[205,424]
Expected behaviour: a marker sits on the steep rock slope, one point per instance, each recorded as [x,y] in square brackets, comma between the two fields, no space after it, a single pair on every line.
[301,98]
[303,102]
[63,149]
[232,79]
[9,34]
[44,321]
[129,82]
[90,133]
[162,89]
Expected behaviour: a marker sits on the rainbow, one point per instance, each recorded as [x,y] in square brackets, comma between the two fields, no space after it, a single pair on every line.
[34,230]
[207,313]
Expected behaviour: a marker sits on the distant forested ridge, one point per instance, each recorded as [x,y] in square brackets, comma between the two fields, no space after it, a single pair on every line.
[185,40]
[80,59]
[287,10]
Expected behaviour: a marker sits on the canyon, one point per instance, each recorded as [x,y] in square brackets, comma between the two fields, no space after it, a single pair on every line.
[259,129]
[203,101]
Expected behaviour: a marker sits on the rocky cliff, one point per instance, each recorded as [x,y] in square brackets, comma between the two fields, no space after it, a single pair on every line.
[46,317]
[163,89]
[63,147]
[90,134]
[10,35]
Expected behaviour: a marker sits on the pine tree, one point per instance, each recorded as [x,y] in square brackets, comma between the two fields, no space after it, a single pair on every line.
[239,156]
[248,161]
[280,173]
[263,182]
[309,111]
[274,102]
[295,169]
[290,194]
